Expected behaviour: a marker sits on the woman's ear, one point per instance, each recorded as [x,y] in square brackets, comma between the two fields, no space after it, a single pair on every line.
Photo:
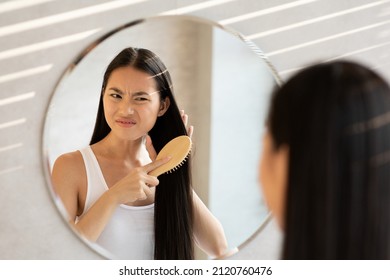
[164,105]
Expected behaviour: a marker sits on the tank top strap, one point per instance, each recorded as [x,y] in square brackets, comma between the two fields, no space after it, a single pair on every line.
[96,185]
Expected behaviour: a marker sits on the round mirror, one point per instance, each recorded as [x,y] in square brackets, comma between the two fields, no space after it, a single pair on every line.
[221,81]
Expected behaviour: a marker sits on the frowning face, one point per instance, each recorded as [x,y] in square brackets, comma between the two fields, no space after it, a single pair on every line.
[132,103]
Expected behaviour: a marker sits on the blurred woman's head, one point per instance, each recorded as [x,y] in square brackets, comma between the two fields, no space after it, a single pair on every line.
[325,167]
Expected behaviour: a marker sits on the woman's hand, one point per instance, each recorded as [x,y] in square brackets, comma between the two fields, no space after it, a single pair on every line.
[149,144]
[190,129]
[136,185]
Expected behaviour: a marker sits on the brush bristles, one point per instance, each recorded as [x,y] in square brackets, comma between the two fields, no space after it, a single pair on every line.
[180,164]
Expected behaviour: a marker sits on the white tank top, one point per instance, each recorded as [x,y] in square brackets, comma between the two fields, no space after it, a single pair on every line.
[130,232]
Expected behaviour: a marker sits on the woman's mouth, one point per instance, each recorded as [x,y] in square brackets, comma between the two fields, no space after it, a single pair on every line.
[125,123]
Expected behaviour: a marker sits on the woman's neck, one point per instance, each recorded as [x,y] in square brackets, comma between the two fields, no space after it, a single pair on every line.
[123,150]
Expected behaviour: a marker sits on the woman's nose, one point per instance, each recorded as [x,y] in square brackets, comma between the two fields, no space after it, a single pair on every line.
[127,108]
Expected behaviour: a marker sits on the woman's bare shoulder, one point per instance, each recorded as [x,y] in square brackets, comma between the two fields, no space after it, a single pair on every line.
[69,181]
[69,168]
[69,161]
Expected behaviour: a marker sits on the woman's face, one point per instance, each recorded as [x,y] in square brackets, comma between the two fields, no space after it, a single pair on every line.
[132,103]
[273,169]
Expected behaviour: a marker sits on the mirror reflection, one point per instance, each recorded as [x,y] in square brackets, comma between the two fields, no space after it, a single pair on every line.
[222,85]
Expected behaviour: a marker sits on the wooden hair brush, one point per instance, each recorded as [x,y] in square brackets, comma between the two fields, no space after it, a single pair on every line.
[178,149]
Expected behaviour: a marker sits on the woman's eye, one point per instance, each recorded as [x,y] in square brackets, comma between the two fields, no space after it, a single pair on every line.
[115,95]
[140,99]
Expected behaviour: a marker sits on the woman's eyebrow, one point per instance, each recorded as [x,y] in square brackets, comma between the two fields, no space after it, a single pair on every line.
[138,93]
[116,90]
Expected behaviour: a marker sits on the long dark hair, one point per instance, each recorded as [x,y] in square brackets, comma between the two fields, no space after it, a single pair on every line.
[173,214]
[335,119]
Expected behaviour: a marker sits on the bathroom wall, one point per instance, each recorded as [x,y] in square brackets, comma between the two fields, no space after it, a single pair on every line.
[38,39]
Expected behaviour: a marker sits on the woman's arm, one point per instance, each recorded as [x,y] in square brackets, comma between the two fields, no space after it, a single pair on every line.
[69,177]
[68,180]
[208,231]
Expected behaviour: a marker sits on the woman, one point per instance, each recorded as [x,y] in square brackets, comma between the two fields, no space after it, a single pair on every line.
[325,166]
[106,188]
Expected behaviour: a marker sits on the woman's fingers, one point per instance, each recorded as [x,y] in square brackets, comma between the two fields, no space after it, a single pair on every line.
[190,131]
[151,181]
[153,165]
[146,190]
[184,117]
